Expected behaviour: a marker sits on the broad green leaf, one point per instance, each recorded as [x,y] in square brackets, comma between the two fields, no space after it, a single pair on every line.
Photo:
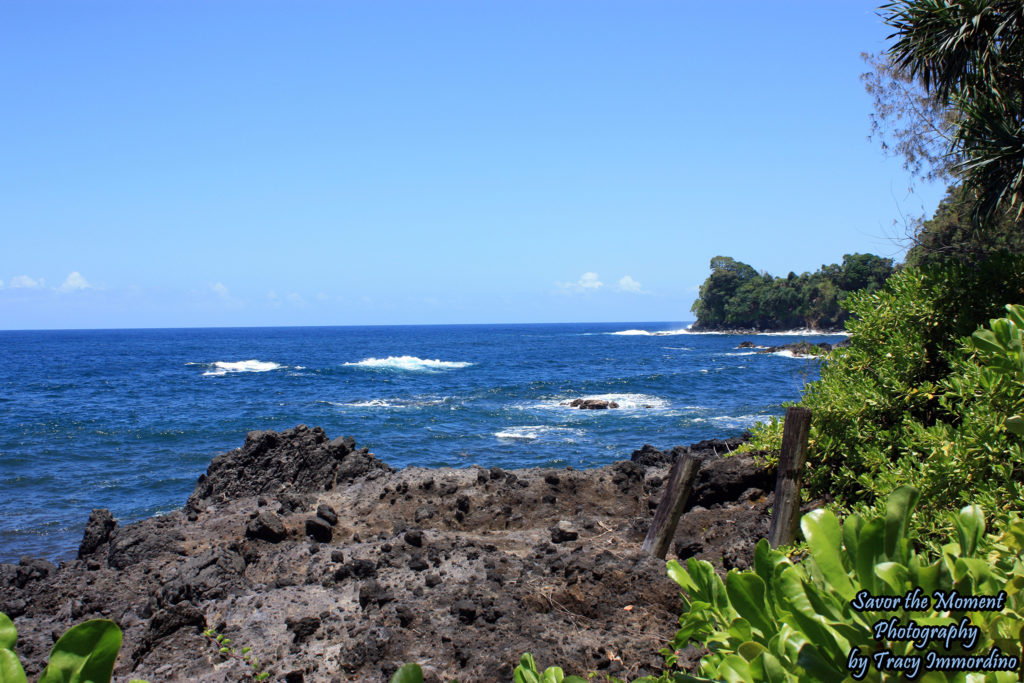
[1015,423]
[680,576]
[819,667]
[85,653]
[894,575]
[553,674]
[409,673]
[746,592]
[970,528]
[821,529]
[985,340]
[851,531]
[10,668]
[8,633]
[898,509]
[869,553]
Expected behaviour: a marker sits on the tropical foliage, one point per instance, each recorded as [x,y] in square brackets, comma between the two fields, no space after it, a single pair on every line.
[796,621]
[737,296]
[970,56]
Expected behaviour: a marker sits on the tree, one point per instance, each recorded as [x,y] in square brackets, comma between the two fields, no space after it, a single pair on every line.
[969,56]
[951,235]
[909,121]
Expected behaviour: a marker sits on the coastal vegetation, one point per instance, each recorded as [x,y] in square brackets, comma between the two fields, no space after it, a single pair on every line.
[924,408]
[736,296]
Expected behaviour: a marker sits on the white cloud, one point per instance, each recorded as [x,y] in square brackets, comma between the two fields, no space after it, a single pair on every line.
[628,284]
[220,290]
[588,282]
[296,300]
[1,284]
[25,282]
[74,281]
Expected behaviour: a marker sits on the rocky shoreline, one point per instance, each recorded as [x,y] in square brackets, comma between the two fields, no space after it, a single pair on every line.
[333,566]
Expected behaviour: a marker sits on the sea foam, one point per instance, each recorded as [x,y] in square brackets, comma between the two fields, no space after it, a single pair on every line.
[646,333]
[408,363]
[533,432]
[221,368]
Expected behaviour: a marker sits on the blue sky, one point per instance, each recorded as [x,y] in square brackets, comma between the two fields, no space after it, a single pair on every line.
[177,163]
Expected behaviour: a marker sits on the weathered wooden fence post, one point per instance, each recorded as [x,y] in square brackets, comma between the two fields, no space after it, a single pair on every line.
[786,508]
[673,500]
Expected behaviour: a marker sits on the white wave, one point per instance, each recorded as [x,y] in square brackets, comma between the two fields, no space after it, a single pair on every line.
[786,353]
[393,403]
[741,353]
[678,348]
[410,363]
[646,333]
[533,432]
[803,333]
[738,421]
[221,368]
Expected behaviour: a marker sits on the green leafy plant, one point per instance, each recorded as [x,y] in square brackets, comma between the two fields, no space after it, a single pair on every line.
[85,653]
[527,672]
[795,621]
[916,399]
[409,673]
[245,655]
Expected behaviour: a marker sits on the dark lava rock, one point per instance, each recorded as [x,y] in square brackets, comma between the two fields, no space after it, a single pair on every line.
[319,530]
[32,569]
[725,479]
[747,345]
[362,569]
[327,513]
[135,544]
[465,610]
[371,592]
[214,573]
[425,512]
[169,621]
[98,529]
[649,456]
[591,404]
[462,503]
[267,527]
[431,580]
[302,628]
[497,473]
[417,563]
[563,532]
[414,537]
[300,459]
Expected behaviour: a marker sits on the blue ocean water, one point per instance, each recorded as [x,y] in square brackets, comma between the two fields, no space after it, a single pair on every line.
[128,419]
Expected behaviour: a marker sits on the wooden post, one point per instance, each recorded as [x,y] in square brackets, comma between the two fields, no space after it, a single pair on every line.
[670,509]
[786,508]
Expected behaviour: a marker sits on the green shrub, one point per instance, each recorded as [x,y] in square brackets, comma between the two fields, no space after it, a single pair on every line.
[910,401]
[795,621]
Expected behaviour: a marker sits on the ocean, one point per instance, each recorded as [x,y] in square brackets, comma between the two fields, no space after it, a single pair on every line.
[128,419]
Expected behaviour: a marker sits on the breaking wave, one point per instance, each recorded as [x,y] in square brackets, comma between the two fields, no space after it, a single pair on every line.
[533,432]
[221,368]
[407,363]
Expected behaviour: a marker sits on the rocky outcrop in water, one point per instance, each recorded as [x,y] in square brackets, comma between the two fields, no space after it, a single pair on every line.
[332,566]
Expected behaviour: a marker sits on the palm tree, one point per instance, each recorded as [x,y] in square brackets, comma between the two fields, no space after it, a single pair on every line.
[970,54]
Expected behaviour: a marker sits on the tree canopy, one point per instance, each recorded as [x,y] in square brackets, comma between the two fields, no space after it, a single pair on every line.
[736,296]
[969,57]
